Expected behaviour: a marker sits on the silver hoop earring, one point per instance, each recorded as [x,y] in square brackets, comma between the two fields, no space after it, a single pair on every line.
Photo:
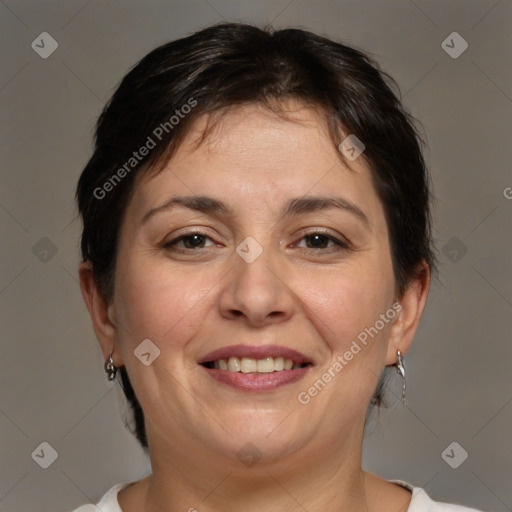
[110,368]
[400,368]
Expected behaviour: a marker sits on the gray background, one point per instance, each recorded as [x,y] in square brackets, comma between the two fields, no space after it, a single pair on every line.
[52,384]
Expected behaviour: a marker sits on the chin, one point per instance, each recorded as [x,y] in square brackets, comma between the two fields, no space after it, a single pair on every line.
[267,437]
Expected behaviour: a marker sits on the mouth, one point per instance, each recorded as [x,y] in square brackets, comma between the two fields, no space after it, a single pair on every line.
[251,365]
[256,368]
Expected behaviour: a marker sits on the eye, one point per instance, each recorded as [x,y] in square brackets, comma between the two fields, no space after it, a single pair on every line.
[321,240]
[191,240]
[317,240]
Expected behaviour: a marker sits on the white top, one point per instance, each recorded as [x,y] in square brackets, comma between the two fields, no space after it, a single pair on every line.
[420,501]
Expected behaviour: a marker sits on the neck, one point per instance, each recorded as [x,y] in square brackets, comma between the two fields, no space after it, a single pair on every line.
[301,481]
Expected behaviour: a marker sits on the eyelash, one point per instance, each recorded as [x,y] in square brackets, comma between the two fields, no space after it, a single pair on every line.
[342,245]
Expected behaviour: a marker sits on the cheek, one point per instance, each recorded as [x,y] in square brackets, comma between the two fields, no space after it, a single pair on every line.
[347,315]
[347,302]
[160,303]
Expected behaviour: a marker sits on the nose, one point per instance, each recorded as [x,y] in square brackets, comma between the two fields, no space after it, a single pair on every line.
[256,292]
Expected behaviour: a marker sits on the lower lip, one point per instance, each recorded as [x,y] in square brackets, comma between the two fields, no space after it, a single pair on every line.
[257,382]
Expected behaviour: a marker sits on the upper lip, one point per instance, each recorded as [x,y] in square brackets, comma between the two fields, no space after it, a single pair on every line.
[255,352]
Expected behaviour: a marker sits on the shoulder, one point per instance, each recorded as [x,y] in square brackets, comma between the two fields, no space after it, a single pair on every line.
[109,501]
[421,502]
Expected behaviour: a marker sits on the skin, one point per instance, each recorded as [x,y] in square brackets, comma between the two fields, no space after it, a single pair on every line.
[190,301]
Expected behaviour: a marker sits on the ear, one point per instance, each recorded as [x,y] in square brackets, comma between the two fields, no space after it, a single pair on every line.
[413,302]
[102,314]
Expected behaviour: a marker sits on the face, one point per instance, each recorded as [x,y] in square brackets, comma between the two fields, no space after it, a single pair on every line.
[260,270]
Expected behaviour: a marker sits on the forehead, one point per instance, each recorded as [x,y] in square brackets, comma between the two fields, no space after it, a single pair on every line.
[254,129]
[255,154]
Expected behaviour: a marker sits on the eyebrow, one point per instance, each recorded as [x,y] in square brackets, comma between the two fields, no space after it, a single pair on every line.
[300,205]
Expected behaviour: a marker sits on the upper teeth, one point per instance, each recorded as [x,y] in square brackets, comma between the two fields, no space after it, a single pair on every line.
[248,364]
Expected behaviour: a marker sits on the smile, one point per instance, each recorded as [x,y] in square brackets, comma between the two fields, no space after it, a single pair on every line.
[255,368]
[251,365]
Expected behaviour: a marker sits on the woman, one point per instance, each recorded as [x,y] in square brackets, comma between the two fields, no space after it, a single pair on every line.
[256,251]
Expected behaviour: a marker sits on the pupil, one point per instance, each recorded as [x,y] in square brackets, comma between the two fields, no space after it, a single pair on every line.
[194,240]
[316,238]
